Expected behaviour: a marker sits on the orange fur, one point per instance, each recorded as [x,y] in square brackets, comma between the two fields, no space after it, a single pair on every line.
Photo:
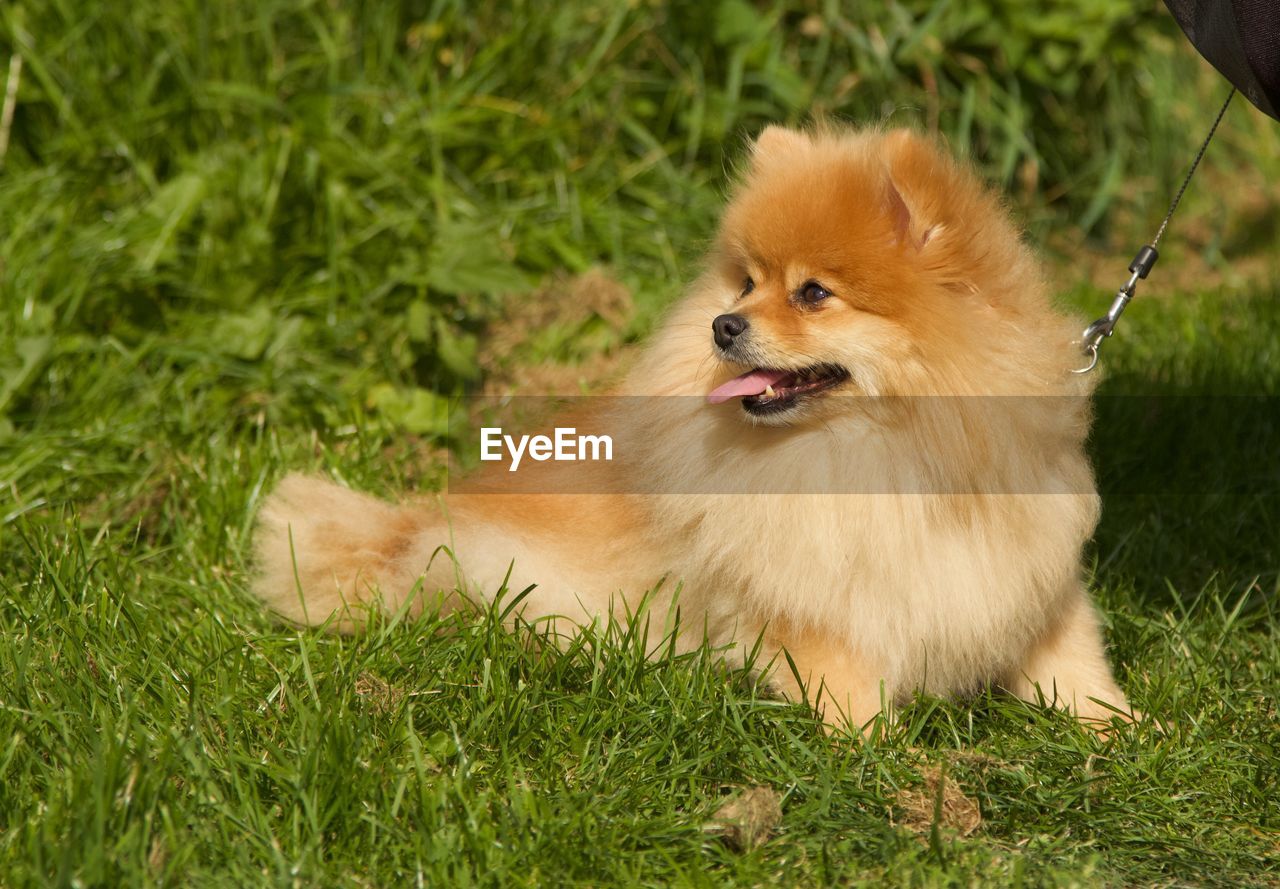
[928,538]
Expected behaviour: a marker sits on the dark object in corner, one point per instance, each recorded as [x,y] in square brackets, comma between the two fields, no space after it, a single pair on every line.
[1241,38]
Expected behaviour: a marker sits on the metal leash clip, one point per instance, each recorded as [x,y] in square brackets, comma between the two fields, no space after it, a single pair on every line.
[1094,335]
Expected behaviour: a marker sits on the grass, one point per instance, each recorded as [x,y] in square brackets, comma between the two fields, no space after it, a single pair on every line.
[241,239]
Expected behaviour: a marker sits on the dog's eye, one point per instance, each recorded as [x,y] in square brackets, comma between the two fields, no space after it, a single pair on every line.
[747,286]
[813,292]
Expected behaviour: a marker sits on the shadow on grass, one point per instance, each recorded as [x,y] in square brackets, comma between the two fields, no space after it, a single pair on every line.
[1186,445]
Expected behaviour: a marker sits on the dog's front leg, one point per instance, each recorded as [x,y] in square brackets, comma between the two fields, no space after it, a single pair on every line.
[832,678]
[1067,666]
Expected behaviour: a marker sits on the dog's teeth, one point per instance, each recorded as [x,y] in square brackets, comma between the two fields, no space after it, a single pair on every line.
[768,393]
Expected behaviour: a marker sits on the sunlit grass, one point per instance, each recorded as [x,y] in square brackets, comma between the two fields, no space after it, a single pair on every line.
[240,239]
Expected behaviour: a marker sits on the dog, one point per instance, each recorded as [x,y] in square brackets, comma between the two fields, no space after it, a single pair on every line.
[856,460]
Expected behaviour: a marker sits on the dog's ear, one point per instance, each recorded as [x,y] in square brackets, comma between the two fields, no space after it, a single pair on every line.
[933,187]
[775,143]
[910,159]
[899,213]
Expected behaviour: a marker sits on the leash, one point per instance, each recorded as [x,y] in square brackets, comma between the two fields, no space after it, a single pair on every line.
[1097,332]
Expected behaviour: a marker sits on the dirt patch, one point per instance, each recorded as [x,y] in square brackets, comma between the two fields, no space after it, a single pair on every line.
[380,695]
[748,818]
[940,799]
[571,305]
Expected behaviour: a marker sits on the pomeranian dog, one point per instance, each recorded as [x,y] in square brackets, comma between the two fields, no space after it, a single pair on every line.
[877,479]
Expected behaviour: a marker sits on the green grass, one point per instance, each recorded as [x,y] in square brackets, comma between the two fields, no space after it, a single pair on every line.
[240,239]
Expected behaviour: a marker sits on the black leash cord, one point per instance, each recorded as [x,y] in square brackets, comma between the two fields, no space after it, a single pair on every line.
[1093,336]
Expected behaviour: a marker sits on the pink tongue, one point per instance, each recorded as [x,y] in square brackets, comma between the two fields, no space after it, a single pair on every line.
[753,382]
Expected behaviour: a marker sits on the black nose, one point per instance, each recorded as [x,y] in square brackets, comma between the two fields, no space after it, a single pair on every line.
[726,327]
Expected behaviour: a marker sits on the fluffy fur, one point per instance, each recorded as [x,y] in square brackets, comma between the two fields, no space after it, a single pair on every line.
[928,537]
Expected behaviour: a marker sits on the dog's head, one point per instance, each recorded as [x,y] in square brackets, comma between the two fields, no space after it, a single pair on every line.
[861,264]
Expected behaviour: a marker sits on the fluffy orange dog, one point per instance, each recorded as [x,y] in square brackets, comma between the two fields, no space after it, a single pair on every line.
[868,352]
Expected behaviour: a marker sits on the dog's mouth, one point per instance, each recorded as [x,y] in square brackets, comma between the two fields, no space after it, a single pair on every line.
[770,390]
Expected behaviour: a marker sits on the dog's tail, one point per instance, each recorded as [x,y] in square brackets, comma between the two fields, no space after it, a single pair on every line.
[324,552]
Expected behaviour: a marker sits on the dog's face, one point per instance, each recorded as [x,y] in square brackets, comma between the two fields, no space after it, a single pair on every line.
[820,263]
